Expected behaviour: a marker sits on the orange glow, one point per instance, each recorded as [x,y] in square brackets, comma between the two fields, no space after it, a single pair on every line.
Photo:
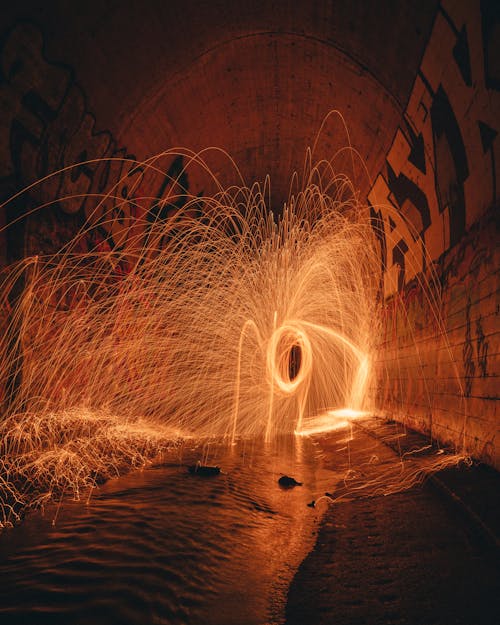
[239,324]
[234,325]
[330,421]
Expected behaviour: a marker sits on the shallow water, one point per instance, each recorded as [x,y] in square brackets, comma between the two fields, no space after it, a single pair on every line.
[162,546]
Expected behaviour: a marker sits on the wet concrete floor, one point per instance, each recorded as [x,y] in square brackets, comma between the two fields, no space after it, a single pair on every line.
[413,557]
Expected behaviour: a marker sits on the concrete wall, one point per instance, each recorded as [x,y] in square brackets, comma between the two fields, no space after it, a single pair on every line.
[435,207]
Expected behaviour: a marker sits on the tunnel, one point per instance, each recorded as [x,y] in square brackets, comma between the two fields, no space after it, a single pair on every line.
[168,103]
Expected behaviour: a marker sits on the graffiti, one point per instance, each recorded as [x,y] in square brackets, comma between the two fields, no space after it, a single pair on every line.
[442,169]
[437,365]
[72,174]
[468,353]
[481,348]
[46,127]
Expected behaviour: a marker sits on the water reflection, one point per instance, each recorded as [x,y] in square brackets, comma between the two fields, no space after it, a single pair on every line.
[163,546]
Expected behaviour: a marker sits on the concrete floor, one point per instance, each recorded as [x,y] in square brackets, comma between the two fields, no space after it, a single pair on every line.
[415,557]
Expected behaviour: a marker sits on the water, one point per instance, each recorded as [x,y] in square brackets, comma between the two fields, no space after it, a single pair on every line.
[162,546]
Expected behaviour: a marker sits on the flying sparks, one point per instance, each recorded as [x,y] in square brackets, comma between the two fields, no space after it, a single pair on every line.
[235,323]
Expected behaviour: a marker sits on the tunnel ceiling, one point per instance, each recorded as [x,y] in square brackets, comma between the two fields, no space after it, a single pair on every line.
[253,78]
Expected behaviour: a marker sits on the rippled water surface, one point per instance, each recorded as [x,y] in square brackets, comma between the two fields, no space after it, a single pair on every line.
[162,546]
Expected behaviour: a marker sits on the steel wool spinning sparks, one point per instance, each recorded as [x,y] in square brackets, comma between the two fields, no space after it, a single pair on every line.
[231,323]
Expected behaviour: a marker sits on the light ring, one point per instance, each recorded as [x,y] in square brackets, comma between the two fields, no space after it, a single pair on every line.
[281,343]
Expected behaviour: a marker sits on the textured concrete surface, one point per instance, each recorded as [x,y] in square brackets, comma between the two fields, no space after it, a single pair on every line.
[415,557]
[253,78]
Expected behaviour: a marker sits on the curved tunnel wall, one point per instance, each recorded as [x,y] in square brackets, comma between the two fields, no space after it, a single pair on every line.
[418,87]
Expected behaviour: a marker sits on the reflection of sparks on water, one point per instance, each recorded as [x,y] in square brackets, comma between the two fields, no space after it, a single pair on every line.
[330,421]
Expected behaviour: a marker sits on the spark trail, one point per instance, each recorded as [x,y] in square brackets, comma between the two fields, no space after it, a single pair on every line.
[230,324]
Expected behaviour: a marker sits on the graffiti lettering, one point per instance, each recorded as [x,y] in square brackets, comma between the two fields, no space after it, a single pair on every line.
[47,128]
[441,171]
[468,353]
[481,348]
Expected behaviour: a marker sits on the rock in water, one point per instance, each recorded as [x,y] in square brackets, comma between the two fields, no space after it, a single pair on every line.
[288,482]
[203,470]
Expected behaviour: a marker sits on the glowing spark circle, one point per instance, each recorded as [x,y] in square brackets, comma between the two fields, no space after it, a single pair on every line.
[279,352]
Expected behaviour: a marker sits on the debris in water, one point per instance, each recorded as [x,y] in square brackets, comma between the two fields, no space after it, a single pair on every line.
[203,469]
[288,482]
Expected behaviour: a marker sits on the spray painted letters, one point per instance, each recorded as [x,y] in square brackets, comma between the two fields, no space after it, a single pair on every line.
[442,170]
